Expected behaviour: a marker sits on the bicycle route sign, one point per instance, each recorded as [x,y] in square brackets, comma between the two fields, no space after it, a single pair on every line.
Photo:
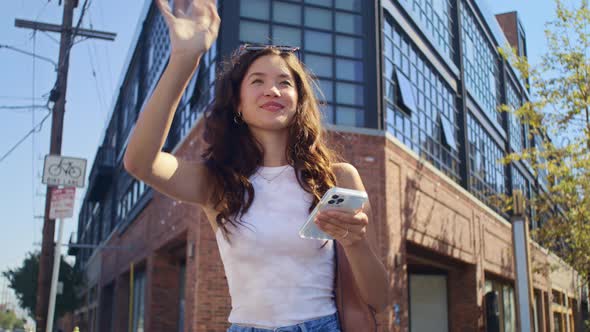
[64,171]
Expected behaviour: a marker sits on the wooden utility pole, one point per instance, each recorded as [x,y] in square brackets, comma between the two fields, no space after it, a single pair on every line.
[58,96]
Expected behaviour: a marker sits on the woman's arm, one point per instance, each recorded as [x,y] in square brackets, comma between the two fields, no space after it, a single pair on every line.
[192,31]
[368,270]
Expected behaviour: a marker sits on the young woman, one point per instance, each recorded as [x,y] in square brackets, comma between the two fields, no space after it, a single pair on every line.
[264,169]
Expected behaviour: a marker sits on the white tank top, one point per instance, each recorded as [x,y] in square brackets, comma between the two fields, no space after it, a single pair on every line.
[276,278]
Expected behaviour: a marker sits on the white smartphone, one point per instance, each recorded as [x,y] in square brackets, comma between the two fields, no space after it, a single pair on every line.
[335,198]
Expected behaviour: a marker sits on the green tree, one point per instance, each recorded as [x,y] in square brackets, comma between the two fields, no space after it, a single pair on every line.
[559,108]
[9,320]
[23,280]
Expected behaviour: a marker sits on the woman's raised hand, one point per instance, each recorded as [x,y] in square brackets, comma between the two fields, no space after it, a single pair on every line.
[192,24]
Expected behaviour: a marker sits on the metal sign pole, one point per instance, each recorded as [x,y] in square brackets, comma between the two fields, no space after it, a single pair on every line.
[523,280]
[56,263]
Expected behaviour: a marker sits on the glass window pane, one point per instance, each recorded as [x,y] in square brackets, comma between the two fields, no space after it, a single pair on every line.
[286,13]
[286,36]
[327,113]
[353,5]
[321,66]
[255,9]
[318,41]
[469,49]
[349,70]
[349,23]
[318,18]
[325,3]
[439,7]
[348,116]
[406,91]
[449,133]
[349,46]
[253,32]
[347,93]
[327,90]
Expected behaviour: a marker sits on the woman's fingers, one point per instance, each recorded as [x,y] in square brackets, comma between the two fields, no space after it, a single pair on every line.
[215,19]
[359,218]
[164,8]
[180,8]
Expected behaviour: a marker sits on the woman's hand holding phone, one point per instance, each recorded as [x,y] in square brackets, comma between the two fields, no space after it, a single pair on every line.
[338,215]
[348,228]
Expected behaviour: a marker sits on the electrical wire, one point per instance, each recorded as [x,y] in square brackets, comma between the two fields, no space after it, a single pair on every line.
[39,126]
[35,129]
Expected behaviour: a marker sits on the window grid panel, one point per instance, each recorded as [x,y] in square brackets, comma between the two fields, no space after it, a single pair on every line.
[436,17]
[158,46]
[319,43]
[200,96]
[481,68]
[513,101]
[488,178]
[421,131]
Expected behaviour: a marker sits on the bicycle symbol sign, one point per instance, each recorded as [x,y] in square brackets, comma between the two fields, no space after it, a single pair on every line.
[64,171]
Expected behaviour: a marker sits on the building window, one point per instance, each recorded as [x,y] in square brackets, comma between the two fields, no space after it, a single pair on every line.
[481,68]
[506,303]
[158,45]
[406,92]
[562,308]
[437,21]
[181,296]
[420,107]
[330,34]
[428,302]
[516,128]
[138,302]
[487,172]
[130,198]
[198,94]
[448,133]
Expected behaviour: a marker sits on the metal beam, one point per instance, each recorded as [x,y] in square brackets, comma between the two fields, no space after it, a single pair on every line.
[58,28]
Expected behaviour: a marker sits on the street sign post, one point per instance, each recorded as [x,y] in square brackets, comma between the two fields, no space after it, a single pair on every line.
[64,171]
[61,207]
[62,203]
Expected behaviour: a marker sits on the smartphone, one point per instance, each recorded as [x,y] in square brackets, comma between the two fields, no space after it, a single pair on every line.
[335,198]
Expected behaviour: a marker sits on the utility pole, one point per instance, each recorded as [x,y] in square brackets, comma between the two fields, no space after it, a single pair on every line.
[58,96]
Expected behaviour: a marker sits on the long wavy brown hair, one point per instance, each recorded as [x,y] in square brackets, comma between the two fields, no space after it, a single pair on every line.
[233,154]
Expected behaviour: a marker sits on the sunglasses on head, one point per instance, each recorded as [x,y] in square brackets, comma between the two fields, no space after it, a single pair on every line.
[244,48]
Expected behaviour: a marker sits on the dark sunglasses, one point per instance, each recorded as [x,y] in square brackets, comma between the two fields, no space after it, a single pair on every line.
[244,48]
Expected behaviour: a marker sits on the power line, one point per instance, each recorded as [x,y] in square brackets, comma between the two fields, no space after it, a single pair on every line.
[35,129]
[25,107]
[98,66]
[105,48]
[20,98]
[28,53]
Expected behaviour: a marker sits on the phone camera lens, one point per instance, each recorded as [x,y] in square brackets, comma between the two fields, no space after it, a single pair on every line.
[335,197]
[340,200]
[331,202]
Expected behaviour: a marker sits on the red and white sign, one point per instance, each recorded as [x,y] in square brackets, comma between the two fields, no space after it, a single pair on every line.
[62,203]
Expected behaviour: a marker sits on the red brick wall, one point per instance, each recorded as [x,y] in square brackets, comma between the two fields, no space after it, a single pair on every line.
[507,22]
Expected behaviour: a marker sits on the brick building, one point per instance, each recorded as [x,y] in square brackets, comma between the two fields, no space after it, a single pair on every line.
[411,90]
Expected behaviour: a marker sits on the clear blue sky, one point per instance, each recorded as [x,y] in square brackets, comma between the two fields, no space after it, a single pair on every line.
[89,101]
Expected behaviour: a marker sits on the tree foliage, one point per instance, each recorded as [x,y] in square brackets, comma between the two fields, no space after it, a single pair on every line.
[559,108]
[9,320]
[23,280]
